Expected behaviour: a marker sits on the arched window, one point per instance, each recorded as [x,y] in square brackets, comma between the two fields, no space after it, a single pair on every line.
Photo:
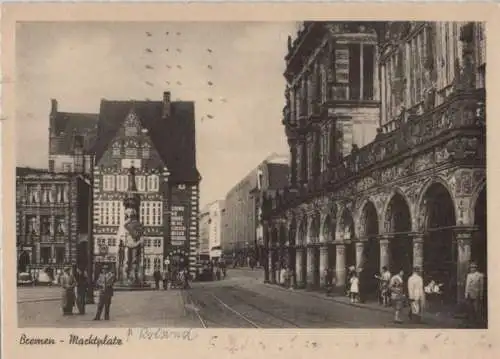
[117,149]
[146,150]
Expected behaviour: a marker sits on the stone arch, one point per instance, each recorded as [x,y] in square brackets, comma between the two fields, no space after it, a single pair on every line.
[437,219]
[397,215]
[368,219]
[345,227]
[313,228]
[327,230]
[420,210]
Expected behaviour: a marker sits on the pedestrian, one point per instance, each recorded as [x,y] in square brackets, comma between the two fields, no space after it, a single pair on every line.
[354,288]
[81,290]
[350,271]
[396,286]
[384,292]
[218,273]
[416,295]
[105,284]
[474,290]
[283,276]
[186,278]
[157,278]
[68,283]
[165,279]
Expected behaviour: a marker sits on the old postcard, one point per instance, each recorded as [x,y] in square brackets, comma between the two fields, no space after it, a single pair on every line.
[174,169]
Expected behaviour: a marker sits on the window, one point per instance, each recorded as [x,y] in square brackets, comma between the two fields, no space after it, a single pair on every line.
[310,158]
[45,226]
[108,183]
[141,183]
[51,165]
[60,225]
[147,242]
[66,167]
[324,147]
[122,182]
[111,242]
[131,152]
[157,263]
[368,71]
[31,225]
[45,255]
[60,255]
[153,183]
[117,150]
[146,151]
[157,243]
[131,130]
[147,263]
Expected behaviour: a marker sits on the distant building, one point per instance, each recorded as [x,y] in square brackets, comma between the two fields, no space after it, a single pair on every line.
[204,240]
[242,205]
[52,220]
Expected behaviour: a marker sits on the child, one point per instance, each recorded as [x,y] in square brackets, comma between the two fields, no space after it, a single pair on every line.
[354,289]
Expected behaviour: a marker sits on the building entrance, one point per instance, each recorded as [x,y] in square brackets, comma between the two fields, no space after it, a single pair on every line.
[398,226]
[440,254]
[371,251]
[23,262]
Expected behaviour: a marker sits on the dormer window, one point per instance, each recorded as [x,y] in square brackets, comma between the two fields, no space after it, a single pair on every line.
[131,125]
[131,149]
[130,131]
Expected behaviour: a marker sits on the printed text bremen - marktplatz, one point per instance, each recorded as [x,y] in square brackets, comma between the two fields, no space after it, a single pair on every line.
[94,340]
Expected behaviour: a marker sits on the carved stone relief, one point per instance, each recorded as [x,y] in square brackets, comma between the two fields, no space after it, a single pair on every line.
[424,162]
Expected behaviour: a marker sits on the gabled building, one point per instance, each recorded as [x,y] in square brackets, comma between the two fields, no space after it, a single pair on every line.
[157,138]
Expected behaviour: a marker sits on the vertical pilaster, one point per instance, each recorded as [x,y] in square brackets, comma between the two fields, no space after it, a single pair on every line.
[272,265]
[323,264]
[463,238]
[360,246]
[340,270]
[418,251]
[385,259]
[299,267]
[310,267]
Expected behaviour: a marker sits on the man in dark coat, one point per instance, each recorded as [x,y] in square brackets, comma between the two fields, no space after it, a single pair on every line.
[105,285]
[81,290]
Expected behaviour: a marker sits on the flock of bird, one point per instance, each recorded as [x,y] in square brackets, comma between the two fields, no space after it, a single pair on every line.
[170,82]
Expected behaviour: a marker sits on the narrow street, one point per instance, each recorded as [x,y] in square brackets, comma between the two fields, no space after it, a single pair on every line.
[240,301]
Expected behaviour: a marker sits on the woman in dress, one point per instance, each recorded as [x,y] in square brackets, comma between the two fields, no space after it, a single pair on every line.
[396,286]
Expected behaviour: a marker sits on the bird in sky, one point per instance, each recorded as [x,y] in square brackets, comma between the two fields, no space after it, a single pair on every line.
[169,67]
[179,66]
[168,82]
[210,83]
[166,33]
[210,67]
[222,99]
[166,50]
[149,50]
[149,67]
[179,50]
[179,83]
[149,83]
[210,100]
[210,116]
[178,33]
[209,50]
[148,33]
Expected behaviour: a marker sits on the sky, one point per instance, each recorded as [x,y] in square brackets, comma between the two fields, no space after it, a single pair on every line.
[80,63]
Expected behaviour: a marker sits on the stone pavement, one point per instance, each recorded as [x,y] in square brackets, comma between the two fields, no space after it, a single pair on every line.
[443,317]
[128,309]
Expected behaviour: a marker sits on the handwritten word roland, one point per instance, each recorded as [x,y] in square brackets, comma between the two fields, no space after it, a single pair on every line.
[164,334]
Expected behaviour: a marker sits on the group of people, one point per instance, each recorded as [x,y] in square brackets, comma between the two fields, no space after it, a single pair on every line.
[75,284]
[171,278]
[393,292]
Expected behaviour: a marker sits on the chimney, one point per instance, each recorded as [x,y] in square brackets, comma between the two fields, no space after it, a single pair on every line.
[166,104]
[53,106]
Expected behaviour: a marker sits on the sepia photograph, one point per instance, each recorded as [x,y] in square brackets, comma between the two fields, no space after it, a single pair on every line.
[308,174]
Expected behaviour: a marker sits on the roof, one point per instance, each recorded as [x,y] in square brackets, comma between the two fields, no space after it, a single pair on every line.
[173,137]
[78,123]
[278,175]
[24,171]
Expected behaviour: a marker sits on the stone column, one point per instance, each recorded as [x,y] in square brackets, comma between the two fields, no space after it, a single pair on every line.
[359,254]
[385,259]
[310,266]
[299,260]
[340,265]
[418,251]
[323,264]
[463,238]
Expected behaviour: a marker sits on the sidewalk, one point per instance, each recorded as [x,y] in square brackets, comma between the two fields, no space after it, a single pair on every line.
[443,317]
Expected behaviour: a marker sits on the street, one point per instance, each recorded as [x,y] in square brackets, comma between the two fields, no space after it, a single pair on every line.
[240,301]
